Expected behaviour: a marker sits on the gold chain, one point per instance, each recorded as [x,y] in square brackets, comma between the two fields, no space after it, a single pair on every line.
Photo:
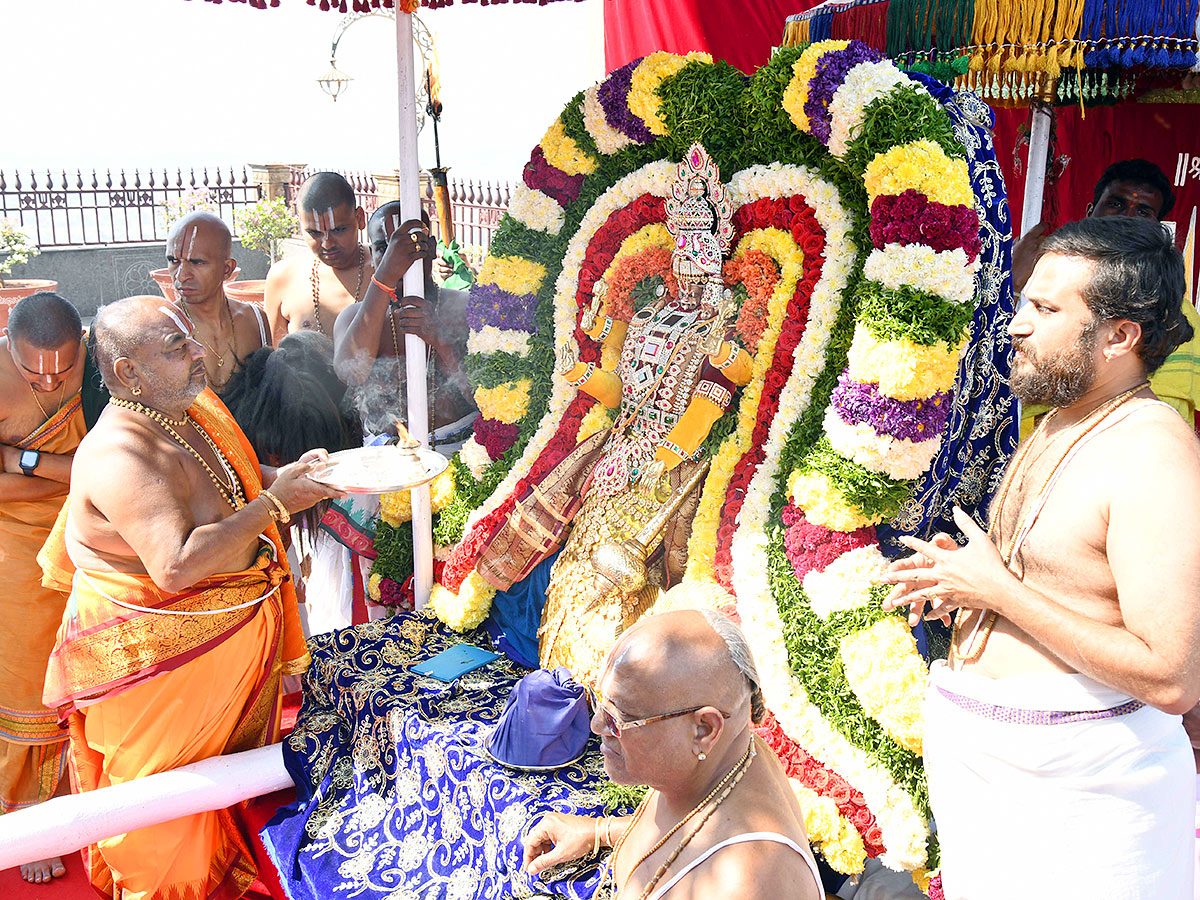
[233,494]
[207,346]
[315,279]
[990,617]
[62,391]
[734,774]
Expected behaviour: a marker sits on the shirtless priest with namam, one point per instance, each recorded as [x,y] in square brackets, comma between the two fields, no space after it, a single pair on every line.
[306,291]
[182,616]
[1053,747]
[198,258]
[42,364]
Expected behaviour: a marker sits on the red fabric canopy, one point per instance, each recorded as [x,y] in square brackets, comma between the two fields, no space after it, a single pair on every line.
[741,32]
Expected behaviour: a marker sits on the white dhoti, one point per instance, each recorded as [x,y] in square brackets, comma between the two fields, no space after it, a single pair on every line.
[1052,785]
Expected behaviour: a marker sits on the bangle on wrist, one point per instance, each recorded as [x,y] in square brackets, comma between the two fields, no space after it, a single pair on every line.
[391,292]
[596,843]
[278,511]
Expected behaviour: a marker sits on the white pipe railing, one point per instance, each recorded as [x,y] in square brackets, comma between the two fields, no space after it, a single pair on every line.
[66,824]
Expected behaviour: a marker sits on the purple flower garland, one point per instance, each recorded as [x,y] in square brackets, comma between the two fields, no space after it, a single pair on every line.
[830,73]
[614,99]
[488,304]
[910,420]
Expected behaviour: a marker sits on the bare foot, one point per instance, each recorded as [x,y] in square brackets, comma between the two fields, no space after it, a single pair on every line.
[44,870]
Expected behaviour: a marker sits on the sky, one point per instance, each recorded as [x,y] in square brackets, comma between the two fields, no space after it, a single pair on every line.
[141,83]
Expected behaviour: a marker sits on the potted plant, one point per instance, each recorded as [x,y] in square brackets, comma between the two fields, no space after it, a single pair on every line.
[263,226]
[17,246]
[189,201]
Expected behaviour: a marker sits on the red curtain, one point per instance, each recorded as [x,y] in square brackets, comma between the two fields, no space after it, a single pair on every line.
[1166,134]
[741,32]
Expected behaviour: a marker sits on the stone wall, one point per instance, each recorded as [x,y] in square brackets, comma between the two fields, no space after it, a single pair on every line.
[92,276]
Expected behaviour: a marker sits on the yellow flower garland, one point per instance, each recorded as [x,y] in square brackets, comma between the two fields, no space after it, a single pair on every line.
[830,831]
[373,590]
[922,166]
[563,153]
[512,274]
[595,420]
[887,675]
[468,608]
[795,95]
[396,508]
[902,369]
[824,504]
[507,402]
[649,74]
[702,545]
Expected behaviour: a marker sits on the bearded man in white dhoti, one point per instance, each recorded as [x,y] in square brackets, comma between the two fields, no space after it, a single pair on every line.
[1057,761]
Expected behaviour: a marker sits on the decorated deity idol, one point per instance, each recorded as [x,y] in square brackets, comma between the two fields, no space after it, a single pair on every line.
[675,376]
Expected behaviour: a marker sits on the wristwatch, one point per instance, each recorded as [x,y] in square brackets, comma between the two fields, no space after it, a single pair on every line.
[29,461]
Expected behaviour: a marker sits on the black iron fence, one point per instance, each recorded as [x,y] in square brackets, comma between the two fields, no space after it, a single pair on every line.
[102,207]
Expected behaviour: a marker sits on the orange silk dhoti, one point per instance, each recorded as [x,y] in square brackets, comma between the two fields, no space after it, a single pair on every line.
[32,745]
[151,681]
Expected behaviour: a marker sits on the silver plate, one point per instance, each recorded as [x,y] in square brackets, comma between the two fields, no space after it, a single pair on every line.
[379,470]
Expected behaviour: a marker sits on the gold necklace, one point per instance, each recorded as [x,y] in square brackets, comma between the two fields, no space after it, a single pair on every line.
[207,346]
[734,774]
[62,391]
[315,279]
[233,494]
[979,641]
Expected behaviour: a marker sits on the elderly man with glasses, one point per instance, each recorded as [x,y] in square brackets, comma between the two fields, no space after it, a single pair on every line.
[674,707]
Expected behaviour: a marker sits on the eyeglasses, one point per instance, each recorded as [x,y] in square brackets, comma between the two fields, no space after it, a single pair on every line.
[616,725]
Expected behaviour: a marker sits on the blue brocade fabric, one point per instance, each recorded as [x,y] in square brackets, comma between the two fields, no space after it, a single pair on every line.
[396,798]
[982,432]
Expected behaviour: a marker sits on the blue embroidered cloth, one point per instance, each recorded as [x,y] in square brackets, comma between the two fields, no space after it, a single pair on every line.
[396,799]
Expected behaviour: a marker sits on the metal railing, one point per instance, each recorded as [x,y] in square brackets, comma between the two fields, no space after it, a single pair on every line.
[101,208]
[365,189]
[476,210]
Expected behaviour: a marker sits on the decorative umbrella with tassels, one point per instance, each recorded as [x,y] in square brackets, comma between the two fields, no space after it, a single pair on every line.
[1036,53]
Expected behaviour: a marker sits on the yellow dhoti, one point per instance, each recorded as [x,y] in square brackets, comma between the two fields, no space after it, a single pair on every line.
[32,745]
[150,681]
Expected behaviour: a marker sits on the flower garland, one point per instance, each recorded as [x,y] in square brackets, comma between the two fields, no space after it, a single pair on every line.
[649,74]
[857,299]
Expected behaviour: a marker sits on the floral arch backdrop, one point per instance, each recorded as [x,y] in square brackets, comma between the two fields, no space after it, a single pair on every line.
[869,258]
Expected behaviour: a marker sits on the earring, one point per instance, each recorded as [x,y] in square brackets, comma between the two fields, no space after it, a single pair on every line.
[702,756]
[137,391]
